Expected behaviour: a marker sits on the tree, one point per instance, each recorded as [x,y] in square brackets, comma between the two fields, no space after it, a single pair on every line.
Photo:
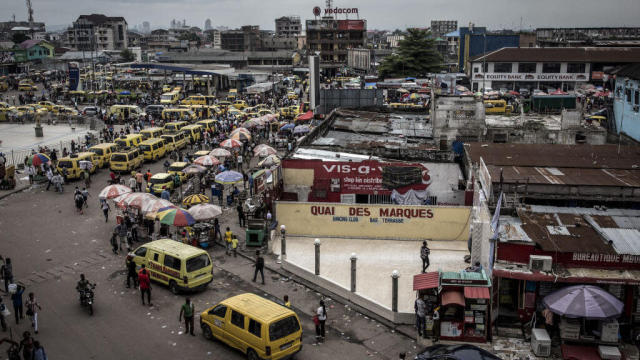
[416,56]
[127,55]
[19,38]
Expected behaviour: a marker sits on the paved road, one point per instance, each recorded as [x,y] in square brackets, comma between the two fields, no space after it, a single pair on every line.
[51,245]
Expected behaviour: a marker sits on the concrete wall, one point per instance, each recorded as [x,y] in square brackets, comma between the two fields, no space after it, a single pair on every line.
[349,98]
[627,110]
[375,221]
[456,117]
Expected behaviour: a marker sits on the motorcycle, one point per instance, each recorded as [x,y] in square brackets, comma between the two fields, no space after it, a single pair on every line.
[86,297]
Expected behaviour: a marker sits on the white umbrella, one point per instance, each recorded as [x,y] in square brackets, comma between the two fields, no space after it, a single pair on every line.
[113,191]
[264,150]
[155,205]
[135,200]
[220,152]
[206,160]
[204,212]
[269,161]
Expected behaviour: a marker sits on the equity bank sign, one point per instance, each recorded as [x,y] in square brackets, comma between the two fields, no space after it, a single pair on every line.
[374,221]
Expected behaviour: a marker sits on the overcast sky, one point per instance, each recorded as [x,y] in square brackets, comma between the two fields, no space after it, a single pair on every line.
[380,14]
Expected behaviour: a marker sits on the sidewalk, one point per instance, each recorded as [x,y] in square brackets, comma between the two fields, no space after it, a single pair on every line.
[344,323]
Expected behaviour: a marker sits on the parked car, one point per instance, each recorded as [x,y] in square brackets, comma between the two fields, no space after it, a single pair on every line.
[90,110]
[455,352]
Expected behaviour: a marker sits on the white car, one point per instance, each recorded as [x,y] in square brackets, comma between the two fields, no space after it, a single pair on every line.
[90,110]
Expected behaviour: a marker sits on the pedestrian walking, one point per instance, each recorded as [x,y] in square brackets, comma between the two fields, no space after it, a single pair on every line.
[145,285]
[424,255]
[131,273]
[133,183]
[4,311]
[49,177]
[259,265]
[436,324]
[38,351]
[79,201]
[121,230]
[187,310]
[240,211]
[216,227]
[419,307]
[26,345]
[16,299]
[322,318]
[228,235]
[105,209]
[287,303]
[85,196]
[139,178]
[234,246]
[114,242]
[7,273]
[32,311]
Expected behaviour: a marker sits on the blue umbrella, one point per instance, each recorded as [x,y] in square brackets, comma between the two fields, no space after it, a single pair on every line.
[125,92]
[584,301]
[301,129]
[229,177]
[288,127]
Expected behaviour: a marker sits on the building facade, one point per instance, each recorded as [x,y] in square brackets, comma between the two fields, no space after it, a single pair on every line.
[626,105]
[474,41]
[288,26]
[608,36]
[546,68]
[98,32]
[441,27]
[332,38]
[247,38]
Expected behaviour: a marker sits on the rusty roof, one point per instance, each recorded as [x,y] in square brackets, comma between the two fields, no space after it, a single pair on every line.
[563,233]
[565,176]
[546,155]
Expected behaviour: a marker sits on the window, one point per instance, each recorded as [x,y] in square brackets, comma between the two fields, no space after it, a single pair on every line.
[198,262]
[141,252]
[172,262]
[237,319]
[576,68]
[628,95]
[550,68]
[284,327]
[502,67]
[527,68]
[255,328]
[476,70]
[155,257]
[636,97]
[219,311]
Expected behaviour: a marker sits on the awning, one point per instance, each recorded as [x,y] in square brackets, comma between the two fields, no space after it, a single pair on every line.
[452,297]
[475,292]
[582,276]
[306,116]
[425,281]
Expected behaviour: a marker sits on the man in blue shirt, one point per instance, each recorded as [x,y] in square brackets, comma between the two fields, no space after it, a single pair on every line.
[17,303]
[166,195]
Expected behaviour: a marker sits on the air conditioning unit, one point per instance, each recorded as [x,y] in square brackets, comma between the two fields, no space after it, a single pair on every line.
[540,263]
[540,342]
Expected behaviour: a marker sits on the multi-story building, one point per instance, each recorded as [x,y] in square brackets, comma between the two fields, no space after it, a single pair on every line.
[626,105]
[332,38]
[214,38]
[98,32]
[564,37]
[288,26]
[247,38]
[441,27]
[9,28]
[393,40]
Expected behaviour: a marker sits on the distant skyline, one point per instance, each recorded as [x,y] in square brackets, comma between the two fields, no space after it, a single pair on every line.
[387,14]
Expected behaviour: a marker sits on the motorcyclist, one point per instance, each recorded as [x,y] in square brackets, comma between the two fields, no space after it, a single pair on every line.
[82,286]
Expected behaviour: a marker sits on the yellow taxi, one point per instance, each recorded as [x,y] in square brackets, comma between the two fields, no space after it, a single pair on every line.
[192,132]
[195,100]
[208,124]
[166,88]
[292,95]
[153,149]
[27,85]
[240,104]
[235,112]
[159,182]
[178,114]
[174,127]
[176,168]
[175,141]
[47,104]
[180,266]
[75,169]
[153,132]
[103,152]
[126,160]
[127,141]
[256,326]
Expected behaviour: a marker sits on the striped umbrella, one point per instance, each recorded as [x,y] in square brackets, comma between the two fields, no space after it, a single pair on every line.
[194,169]
[153,207]
[231,143]
[204,212]
[206,160]
[270,161]
[195,199]
[135,200]
[220,152]
[264,150]
[584,301]
[241,136]
[175,216]
[113,191]
[242,130]
[229,177]
[39,159]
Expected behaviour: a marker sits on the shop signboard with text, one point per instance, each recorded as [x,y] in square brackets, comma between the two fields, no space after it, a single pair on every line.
[374,221]
[530,77]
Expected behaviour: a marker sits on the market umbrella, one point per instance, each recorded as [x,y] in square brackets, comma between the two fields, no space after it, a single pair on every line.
[264,150]
[305,116]
[204,212]
[240,129]
[229,177]
[514,93]
[206,160]
[195,199]
[153,207]
[301,129]
[288,127]
[250,124]
[220,152]
[125,92]
[240,136]
[135,200]
[584,301]
[194,169]
[175,216]
[558,92]
[39,159]
[270,161]
[113,191]
[231,143]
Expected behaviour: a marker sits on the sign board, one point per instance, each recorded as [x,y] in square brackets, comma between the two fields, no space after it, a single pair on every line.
[350,24]
[74,76]
[597,75]
[375,221]
[530,77]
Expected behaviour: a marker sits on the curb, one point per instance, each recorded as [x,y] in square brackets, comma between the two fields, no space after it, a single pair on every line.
[14,191]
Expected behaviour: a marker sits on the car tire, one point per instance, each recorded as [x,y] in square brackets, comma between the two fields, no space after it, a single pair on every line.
[252,355]
[207,333]
[173,287]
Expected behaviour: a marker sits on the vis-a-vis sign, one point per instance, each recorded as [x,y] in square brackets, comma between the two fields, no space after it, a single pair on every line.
[374,221]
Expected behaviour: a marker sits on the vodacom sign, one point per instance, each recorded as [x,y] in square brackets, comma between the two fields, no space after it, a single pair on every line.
[337,10]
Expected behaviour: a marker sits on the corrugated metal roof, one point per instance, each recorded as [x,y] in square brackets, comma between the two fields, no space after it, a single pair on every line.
[428,280]
[627,222]
[476,292]
[452,296]
[463,275]
[570,176]
[625,241]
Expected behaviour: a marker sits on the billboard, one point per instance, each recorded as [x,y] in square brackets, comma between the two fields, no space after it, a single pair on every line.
[74,76]
[351,25]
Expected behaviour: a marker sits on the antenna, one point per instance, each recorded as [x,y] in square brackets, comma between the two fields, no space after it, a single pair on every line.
[329,4]
[30,11]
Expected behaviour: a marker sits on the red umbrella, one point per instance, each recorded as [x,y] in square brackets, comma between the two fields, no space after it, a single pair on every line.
[231,143]
[558,92]
[513,92]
